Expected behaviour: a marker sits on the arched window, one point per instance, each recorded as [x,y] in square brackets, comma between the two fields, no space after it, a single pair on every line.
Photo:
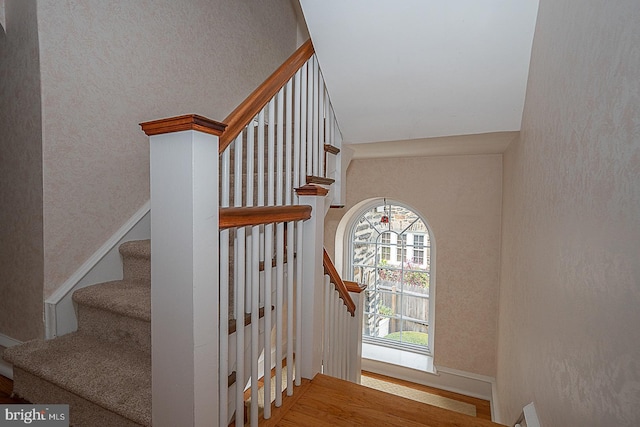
[391,251]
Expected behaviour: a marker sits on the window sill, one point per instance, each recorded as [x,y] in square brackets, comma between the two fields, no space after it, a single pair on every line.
[405,359]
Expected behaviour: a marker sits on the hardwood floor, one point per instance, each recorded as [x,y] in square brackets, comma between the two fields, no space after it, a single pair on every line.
[6,388]
[327,401]
[483,407]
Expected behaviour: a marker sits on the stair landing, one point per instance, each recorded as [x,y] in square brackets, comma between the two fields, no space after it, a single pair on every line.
[328,401]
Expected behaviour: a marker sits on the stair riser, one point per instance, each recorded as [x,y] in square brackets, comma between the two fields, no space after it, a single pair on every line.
[115,328]
[82,412]
[137,269]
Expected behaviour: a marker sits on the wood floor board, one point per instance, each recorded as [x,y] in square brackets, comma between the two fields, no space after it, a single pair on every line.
[333,411]
[6,390]
[333,402]
[483,407]
[287,403]
[327,401]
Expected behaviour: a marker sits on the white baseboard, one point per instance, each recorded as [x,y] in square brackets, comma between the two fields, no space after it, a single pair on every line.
[495,405]
[444,378]
[6,369]
[103,266]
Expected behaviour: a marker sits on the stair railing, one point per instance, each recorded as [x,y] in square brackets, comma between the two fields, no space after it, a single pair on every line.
[343,308]
[276,153]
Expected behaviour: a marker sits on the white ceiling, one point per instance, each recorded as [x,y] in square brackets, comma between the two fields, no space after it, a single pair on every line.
[416,69]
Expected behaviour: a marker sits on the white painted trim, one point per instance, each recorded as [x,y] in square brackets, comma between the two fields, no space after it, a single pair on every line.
[464,374]
[530,415]
[495,405]
[3,22]
[344,251]
[7,342]
[461,382]
[184,245]
[6,369]
[108,271]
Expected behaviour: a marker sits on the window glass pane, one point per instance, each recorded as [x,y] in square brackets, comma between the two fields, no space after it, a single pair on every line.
[364,254]
[409,332]
[365,276]
[391,254]
[364,232]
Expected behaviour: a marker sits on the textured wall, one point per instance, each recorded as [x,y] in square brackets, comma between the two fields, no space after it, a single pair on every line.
[460,197]
[21,256]
[107,66]
[569,335]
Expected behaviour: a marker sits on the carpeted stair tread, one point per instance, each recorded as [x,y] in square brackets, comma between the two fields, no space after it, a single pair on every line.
[136,249]
[113,376]
[121,297]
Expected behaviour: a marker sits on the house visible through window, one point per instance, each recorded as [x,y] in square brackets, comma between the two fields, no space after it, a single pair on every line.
[418,249]
[390,247]
[385,246]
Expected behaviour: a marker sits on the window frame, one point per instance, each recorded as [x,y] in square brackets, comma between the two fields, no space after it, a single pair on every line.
[428,254]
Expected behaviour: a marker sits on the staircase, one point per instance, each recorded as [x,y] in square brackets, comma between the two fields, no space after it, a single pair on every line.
[251,250]
[103,371]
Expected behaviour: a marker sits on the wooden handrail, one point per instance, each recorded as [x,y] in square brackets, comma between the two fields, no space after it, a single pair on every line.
[242,217]
[354,287]
[311,190]
[242,115]
[335,278]
[180,123]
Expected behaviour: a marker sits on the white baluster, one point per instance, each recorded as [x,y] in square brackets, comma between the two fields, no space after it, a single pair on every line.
[260,155]
[239,280]
[271,142]
[304,106]
[321,124]
[310,118]
[298,310]
[279,248]
[288,188]
[280,150]
[296,130]
[255,320]
[268,242]
[237,172]
[250,163]
[279,307]
[327,323]
[290,304]
[225,161]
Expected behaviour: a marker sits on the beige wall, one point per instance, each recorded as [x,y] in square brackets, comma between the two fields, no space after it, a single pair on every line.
[460,197]
[569,330]
[107,66]
[21,255]
[76,78]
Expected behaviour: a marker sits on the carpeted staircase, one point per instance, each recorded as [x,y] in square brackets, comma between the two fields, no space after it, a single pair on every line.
[103,371]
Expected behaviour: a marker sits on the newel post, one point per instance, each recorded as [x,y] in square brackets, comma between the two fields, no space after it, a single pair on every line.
[184,270]
[355,333]
[312,281]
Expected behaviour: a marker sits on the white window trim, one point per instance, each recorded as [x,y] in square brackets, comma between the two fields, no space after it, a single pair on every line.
[343,250]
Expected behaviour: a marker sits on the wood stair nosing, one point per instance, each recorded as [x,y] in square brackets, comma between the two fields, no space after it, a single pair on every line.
[331,149]
[247,320]
[319,180]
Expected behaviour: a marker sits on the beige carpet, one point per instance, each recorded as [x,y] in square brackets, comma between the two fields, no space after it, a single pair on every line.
[419,396]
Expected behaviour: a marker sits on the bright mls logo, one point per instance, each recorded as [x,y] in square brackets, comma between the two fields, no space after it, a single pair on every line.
[36,415]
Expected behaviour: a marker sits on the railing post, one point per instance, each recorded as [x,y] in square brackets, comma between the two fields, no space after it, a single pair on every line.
[184,271]
[310,361]
[355,338]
